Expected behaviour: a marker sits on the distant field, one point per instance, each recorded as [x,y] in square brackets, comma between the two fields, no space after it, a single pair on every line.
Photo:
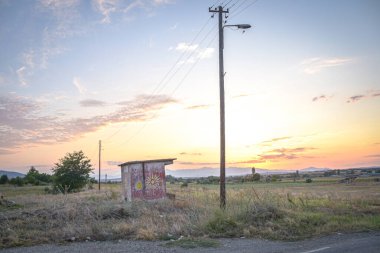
[283,210]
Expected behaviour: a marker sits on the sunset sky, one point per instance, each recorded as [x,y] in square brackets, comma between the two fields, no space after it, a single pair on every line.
[302,85]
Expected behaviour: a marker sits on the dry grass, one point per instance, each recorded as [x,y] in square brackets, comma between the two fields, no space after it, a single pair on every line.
[275,211]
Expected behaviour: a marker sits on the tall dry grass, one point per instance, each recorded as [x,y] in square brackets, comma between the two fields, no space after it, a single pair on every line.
[252,211]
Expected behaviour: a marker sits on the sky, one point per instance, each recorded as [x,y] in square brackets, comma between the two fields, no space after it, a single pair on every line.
[302,85]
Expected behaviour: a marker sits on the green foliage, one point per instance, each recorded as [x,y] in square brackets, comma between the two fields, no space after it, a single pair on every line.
[17,181]
[4,179]
[72,172]
[34,177]
[309,180]
[222,225]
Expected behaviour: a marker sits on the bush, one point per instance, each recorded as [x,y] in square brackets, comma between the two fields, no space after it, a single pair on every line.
[17,181]
[72,172]
[4,179]
[309,180]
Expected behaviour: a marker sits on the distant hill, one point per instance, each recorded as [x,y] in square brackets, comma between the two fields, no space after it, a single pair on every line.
[313,169]
[231,171]
[11,174]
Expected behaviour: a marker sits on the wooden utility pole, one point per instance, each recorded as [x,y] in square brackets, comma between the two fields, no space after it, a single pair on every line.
[220,12]
[100,153]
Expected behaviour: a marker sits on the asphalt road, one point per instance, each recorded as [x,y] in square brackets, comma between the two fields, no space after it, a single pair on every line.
[338,243]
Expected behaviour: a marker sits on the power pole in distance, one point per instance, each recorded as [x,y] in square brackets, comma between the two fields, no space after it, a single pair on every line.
[100,152]
[220,12]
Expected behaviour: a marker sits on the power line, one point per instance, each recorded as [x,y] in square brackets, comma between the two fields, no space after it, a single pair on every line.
[244,9]
[157,88]
[233,4]
[175,89]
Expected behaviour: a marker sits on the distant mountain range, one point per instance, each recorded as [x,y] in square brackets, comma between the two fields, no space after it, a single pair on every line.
[234,171]
[11,174]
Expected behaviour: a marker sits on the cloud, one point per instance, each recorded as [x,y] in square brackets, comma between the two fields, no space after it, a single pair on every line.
[190,154]
[79,85]
[271,141]
[250,161]
[284,153]
[206,53]
[23,123]
[21,76]
[196,53]
[186,47]
[280,154]
[240,95]
[321,97]
[196,107]
[197,163]
[92,103]
[373,156]
[315,65]
[107,8]
[4,151]
[66,22]
[370,94]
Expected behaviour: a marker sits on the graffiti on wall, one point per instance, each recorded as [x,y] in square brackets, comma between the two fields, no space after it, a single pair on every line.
[148,183]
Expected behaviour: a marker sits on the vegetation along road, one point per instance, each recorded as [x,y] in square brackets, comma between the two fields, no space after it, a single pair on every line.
[353,243]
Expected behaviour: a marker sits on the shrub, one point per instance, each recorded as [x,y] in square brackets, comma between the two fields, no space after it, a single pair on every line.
[309,180]
[72,172]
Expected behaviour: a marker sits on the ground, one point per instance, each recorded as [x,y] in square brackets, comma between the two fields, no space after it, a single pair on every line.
[277,211]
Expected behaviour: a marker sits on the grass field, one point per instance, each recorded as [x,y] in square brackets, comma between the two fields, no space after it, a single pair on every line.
[281,210]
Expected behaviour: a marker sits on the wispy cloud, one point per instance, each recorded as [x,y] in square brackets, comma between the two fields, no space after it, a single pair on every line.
[315,65]
[370,94]
[280,154]
[197,163]
[107,8]
[23,122]
[186,47]
[274,140]
[197,107]
[21,76]
[373,156]
[190,154]
[92,103]
[79,85]
[196,53]
[321,98]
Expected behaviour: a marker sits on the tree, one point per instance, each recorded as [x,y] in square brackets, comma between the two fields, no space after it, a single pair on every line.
[35,177]
[31,176]
[4,179]
[17,181]
[72,172]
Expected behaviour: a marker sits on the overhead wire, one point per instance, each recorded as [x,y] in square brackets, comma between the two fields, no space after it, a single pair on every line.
[238,12]
[158,87]
[174,90]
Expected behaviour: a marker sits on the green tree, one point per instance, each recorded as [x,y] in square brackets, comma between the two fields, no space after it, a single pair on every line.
[72,172]
[17,181]
[4,179]
[31,176]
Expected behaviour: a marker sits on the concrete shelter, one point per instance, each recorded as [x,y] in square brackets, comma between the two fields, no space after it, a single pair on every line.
[144,179]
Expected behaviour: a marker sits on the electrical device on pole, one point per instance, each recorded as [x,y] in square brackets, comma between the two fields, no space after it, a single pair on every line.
[220,12]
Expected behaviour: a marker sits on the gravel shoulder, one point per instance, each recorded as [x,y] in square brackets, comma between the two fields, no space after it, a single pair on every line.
[354,243]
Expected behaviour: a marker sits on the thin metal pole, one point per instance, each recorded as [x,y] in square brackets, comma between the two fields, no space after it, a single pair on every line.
[100,152]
